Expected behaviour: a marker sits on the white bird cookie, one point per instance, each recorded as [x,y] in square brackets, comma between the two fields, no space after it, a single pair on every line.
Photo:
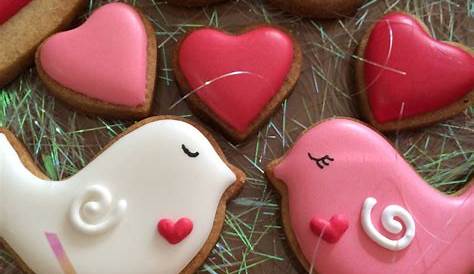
[152,202]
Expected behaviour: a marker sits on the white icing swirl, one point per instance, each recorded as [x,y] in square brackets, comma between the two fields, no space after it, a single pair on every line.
[93,211]
[390,224]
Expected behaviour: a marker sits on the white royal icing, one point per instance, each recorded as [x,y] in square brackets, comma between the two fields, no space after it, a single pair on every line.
[93,211]
[390,224]
[105,216]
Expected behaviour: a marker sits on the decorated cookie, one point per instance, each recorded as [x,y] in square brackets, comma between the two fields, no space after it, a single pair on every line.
[24,24]
[352,204]
[237,81]
[408,79]
[106,66]
[325,9]
[154,201]
[193,3]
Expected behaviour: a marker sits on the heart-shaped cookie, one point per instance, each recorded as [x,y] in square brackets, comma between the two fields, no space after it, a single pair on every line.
[408,79]
[106,66]
[398,222]
[237,81]
[330,231]
[325,9]
[24,25]
[175,232]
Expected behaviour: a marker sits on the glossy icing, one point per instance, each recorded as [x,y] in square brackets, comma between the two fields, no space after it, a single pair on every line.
[390,224]
[236,76]
[104,59]
[175,232]
[413,73]
[143,178]
[8,8]
[366,165]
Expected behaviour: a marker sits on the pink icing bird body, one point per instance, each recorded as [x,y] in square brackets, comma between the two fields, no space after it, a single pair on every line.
[383,217]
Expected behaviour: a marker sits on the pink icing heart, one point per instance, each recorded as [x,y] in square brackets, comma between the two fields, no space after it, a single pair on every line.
[330,231]
[105,58]
[173,232]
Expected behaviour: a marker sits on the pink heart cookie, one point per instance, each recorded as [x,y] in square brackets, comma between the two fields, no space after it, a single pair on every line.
[106,66]
[24,24]
[398,222]
[408,78]
[237,81]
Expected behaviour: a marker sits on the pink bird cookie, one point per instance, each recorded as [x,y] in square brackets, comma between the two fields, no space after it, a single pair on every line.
[352,204]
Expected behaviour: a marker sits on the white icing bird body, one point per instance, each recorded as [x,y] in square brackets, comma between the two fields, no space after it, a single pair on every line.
[105,216]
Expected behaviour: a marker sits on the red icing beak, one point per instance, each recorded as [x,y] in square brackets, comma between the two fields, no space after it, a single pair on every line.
[173,232]
[331,231]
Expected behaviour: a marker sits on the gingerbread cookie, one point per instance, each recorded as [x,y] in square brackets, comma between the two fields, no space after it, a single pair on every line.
[156,198]
[408,79]
[105,67]
[237,81]
[24,24]
[324,9]
[193,3]
[352,204]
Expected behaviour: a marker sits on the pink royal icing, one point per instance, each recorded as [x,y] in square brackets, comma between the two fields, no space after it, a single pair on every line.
[369,183]
[236,76]
[105,58]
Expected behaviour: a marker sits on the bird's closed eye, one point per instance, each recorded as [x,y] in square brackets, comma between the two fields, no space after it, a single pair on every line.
[321,162]
[189,152]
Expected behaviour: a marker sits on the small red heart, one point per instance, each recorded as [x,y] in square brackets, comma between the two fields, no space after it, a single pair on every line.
[330,231]
[8,8]
[173,232]
[408,73]
[236,76]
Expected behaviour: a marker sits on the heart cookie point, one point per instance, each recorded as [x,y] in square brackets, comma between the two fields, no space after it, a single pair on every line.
[236,77]
[104,59]
[173,232]
[409,74]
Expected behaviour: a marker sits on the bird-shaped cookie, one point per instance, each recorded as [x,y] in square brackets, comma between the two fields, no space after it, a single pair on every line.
[152,202]
[352,204]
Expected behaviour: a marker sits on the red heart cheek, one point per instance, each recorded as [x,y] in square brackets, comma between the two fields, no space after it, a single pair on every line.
[8,8]
[173,232]
[331,231]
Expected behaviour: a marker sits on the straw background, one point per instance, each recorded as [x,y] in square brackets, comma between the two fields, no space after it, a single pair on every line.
[63,141]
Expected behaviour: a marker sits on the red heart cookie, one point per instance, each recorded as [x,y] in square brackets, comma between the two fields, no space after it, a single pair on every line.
[330,231]
[173,232]
[106,66]
[237,80]
[24,24]
[9,8]
[408,78]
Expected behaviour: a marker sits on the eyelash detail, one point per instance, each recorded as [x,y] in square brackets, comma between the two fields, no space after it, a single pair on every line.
[321,162]
[188,152]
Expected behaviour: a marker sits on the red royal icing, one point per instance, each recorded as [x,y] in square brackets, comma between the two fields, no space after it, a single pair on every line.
[243,72]
[173,232]
[330,231]
[424,74]
[9,8]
